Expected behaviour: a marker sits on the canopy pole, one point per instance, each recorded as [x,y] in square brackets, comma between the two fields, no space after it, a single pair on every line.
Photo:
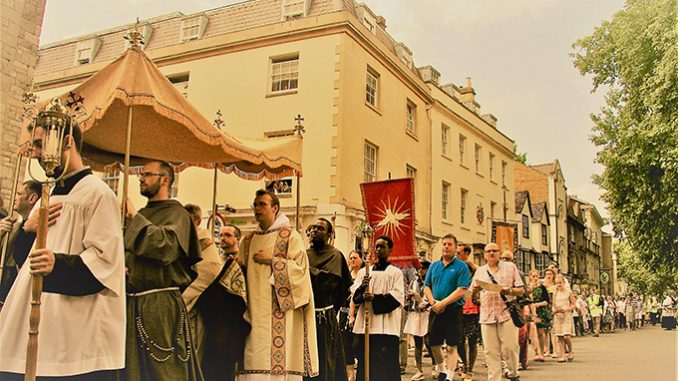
[298,222]
[10,212]
[36,288]
[125,179]
[214,200]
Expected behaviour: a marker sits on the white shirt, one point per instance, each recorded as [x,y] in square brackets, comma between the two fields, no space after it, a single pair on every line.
[388,281]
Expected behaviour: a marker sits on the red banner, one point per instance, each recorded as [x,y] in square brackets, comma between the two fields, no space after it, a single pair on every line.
[389,206]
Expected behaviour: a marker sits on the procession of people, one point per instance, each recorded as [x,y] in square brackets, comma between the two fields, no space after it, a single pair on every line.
[159,300]
[269,305]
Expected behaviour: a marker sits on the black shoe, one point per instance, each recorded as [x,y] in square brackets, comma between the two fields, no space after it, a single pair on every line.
[442,376]
[516,378]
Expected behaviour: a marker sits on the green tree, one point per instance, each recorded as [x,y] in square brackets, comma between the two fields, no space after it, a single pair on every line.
[519,157]
[639,275]
[634,57]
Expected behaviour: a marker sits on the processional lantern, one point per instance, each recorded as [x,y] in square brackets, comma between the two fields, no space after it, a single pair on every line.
[56,123]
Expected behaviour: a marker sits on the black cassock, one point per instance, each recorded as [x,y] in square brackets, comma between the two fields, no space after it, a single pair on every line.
[331,280]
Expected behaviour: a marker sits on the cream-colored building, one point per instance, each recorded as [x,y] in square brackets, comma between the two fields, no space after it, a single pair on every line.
[369,112]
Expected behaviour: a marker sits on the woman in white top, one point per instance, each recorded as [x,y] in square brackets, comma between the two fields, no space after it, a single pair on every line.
[563,305]
[668,313]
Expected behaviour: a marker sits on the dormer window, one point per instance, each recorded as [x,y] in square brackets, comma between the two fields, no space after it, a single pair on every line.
[369,22]
[405,54]
[87,50]
[193,28]
[294,9]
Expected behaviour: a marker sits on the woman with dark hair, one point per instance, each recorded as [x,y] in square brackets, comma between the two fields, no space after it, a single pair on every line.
[541,304]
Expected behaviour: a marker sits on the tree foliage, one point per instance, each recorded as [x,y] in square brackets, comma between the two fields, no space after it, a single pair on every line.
[639,275]
[520,157]
[634,57]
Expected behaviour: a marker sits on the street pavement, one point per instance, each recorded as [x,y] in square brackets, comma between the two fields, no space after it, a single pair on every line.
[648,354]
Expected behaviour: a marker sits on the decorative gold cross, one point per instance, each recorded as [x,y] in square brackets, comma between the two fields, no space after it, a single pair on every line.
[299,129]
[134,36]
[218,122]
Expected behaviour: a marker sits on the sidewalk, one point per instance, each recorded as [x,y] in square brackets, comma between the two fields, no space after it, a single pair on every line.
[645,354]
[480,369]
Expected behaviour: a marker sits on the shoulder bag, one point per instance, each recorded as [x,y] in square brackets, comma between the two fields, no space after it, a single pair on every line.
[512,306]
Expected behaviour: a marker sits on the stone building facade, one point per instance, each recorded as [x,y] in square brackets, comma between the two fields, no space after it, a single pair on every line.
[20,34]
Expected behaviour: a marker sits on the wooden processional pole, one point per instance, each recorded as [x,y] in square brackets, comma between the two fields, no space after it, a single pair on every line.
[10,212]
[36,288]
[367,250]
[214,201]
[125,178]
[298,130]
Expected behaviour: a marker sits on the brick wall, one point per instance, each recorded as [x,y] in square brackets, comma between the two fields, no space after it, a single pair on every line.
[21,23]
[529,179]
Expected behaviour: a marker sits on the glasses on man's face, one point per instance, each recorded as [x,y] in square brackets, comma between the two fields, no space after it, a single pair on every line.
[148,174]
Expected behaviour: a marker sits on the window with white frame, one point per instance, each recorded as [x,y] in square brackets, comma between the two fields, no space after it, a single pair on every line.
[462,205]
[526,226]
[411,117]
[491,166]
[445,199]
[180,82]
[544,234]
[462,149]
[87,50]
[193,28]
[503,172]
[540,259]
[174,190]
[112,179]
[493,207]
[370,162]
[410,171]
[293,9]
[445,139]
[477,152]
[284,74]
[372,87]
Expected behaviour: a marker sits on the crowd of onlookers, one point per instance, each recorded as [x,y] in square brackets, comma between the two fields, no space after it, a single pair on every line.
[554,312]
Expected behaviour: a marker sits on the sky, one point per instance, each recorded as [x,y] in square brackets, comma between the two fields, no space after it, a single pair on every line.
[516,52]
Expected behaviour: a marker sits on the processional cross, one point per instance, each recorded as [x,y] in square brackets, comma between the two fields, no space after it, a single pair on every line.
[218,122]
[298,128]
[134,37]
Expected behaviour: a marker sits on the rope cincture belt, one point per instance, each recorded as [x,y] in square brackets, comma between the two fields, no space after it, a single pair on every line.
[153,291]
[321,314]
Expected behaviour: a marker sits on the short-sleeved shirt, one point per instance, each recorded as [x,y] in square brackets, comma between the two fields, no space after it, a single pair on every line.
[492,307]
[444,280]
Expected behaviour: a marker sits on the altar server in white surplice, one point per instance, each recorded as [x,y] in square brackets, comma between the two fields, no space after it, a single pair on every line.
[282,344]
[387,294]
[82,326]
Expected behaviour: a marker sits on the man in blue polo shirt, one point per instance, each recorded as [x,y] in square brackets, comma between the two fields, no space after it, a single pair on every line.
[445,285]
